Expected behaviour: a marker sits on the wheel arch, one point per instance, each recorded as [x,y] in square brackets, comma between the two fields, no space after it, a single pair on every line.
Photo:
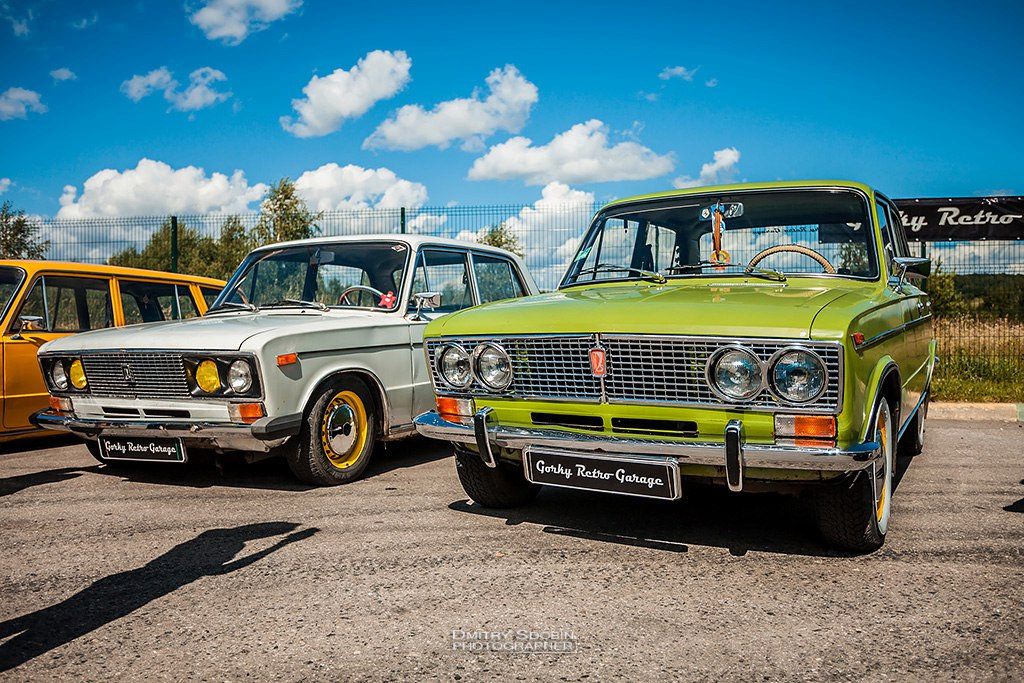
[377,394]
[884,384]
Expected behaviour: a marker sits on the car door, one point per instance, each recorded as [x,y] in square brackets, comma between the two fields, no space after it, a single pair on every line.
[66,304]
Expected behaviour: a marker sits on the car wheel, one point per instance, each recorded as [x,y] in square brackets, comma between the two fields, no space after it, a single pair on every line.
[503,486]
[855,515]
[912,442]
[337,436]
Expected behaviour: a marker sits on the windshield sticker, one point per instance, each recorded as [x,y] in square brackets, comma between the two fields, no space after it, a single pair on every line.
[582,255]
[397,247]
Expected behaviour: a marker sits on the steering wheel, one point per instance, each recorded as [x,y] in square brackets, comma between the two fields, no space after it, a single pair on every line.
[343,297]
[806,251]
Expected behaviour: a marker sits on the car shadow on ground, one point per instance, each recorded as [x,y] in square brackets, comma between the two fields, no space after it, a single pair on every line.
[35,443]
[9,485]
[205,469]
[211,553]
[739,523]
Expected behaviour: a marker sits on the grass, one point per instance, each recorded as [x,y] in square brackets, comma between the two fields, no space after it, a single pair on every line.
[980,360]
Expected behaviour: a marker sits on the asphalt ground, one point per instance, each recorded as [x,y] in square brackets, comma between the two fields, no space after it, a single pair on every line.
[225,571]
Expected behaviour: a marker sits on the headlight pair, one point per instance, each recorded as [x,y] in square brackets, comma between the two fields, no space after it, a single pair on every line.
[793,374]
[68,373]
[221,376]
[488,363]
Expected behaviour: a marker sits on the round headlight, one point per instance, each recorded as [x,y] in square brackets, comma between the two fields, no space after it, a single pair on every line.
[454,366]
[797,375]
[207,376]
[734,374]
[59,377]
[493,366]
[240,376]
[77,375]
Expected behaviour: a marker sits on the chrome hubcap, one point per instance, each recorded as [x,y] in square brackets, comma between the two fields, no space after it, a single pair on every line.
[342,429]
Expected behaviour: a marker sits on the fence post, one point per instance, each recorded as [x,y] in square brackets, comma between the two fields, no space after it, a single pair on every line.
[174,244]
[403,220]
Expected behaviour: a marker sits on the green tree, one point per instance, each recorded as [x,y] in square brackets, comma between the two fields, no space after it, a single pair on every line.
[19,236]
[284,215]
[235,242]
[197,254]
[501,236]
[947,301]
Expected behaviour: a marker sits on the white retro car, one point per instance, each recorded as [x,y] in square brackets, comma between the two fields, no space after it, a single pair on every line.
[313,351]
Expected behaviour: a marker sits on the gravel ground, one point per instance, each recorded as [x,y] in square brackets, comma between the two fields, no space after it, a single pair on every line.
[223,571]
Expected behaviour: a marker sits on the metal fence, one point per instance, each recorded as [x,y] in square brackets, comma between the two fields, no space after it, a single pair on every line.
[978,289]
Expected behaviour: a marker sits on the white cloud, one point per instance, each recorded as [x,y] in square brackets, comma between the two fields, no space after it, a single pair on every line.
[63,74]
[197,95]
[138,87]
[347,94]
[85,22]
[549,230]
[19,24]
[154,188]
[15,103]
[506,107]
[720,170]
[5,184]
[711,82]
[233,20]
[333,187]
[581,154]
[677,72]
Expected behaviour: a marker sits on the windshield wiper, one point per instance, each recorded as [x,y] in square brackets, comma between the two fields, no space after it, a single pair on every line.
[298,302]
[232,304]
[606,267]
[765,273]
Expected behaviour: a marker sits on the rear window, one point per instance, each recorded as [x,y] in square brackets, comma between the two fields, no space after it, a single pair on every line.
[147,302]
[70,304]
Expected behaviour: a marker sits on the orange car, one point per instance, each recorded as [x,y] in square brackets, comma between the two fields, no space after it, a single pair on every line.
[44,300]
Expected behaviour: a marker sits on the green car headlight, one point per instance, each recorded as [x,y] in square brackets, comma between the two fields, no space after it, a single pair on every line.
[734,374]
[797,375]
[493,366]
[454,366]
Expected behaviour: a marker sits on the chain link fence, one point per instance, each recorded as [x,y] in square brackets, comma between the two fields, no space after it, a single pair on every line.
[977,287]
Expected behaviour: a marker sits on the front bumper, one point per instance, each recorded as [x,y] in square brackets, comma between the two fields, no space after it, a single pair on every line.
[733,454]
[260,436]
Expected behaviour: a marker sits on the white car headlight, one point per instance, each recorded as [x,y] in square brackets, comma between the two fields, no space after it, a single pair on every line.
[734,374]
[797,375]
[493,366]
[58,375]
[240,376]
[453,363]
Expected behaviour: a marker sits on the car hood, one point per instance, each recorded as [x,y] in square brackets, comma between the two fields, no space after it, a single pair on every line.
[744,308]
[220,332]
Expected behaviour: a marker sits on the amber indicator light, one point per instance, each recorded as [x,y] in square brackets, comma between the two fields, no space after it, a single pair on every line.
[250,412]
[815,426]
[858,338]
[447,407]
[287,359]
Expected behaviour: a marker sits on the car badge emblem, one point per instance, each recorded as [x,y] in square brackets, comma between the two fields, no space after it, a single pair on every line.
[126,372]
[597,364]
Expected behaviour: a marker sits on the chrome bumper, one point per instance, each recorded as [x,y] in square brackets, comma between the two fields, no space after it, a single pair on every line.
[262,435]
[486,434]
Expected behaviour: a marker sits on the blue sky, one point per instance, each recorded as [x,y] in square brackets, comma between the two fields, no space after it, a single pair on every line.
[918,99]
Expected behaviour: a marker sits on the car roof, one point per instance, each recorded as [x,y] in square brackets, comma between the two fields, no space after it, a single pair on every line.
[32,266]
[413,241]
[746,187]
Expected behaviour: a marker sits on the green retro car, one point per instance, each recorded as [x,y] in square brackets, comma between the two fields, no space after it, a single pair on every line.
[761,336]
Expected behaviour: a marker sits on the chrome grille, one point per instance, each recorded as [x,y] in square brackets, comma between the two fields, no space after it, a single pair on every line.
[640,369]
[148,374]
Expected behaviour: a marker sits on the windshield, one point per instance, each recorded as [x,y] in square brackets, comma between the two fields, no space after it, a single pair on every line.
[781,232]
[10,280]
[348,274]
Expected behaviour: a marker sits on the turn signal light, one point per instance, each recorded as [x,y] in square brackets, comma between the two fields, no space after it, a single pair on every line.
[805,426]
[454,409]
[287,359]
[246,412]
[61,405]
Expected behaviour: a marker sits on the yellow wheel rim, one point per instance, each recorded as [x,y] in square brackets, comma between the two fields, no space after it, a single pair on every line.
[883,432]
[344,429]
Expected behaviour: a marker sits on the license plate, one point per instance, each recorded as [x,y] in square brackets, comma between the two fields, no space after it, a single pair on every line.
[142,449]
[627,475]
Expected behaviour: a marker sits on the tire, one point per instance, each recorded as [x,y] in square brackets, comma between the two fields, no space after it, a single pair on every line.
[912,442]
[854,515]
[493,487]
[338,435]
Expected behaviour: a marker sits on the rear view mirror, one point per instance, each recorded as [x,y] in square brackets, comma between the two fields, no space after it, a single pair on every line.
[28,323]
[915,266]
[427,300]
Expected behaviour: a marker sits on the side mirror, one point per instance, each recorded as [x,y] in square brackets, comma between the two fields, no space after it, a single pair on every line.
[428,300]
[28,323]
[911,266]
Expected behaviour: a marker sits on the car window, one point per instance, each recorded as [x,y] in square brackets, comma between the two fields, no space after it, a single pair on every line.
[446,272]
[147,302]
[495,278]
[209,295]
[888,245]
[70,304]
[899,235]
